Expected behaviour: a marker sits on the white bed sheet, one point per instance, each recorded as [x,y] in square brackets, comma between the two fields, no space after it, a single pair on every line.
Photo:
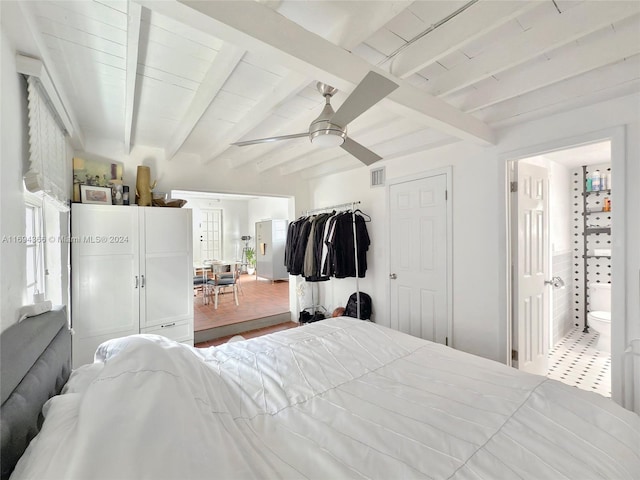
[335,399]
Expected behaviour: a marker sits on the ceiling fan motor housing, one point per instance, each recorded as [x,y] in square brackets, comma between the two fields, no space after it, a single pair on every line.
[321,131]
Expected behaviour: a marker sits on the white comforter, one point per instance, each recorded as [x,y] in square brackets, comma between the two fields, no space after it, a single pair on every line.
[336,399]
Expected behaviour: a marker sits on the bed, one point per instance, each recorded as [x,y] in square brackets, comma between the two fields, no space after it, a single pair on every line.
[340,398]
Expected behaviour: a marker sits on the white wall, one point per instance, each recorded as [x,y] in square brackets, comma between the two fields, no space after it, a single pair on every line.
[268,208]
[479,213]
[475,270]
[14,150]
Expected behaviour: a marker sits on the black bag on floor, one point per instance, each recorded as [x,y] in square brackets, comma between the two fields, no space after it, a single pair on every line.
[308,317]
[351,310]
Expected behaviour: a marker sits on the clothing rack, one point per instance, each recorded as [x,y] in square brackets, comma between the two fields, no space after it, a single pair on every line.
[349,205]
[332,207]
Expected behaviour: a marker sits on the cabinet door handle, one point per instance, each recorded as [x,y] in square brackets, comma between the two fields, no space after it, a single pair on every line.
[168,325]
[142,281]
[136,286]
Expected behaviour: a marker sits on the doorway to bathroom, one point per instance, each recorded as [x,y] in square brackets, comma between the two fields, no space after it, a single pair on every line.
[561,255]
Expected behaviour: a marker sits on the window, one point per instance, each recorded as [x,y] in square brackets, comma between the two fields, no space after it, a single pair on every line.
[34,247]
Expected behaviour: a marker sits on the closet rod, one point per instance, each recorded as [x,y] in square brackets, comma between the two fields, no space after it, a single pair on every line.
[342,205]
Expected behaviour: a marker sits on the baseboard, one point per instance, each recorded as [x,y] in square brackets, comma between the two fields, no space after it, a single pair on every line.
[237,328]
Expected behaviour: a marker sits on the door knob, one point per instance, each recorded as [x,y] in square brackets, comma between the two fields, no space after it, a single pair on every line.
[555,282]
[393,276]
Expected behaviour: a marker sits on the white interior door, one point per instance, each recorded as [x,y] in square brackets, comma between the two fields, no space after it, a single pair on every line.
[531,295]
[211,235]
[419,244]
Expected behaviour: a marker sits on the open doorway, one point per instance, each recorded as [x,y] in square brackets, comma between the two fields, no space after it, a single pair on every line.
[565,317]
[224,228]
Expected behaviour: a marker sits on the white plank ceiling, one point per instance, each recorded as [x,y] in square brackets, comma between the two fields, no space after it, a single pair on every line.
[191,77]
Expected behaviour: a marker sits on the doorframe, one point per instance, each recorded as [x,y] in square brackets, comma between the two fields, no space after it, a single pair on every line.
[448,173]
[617,137]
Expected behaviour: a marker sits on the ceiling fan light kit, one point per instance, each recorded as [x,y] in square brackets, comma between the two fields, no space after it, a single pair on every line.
[330,128]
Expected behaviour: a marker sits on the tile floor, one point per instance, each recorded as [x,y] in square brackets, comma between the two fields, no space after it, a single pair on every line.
[576,362]
[257,299]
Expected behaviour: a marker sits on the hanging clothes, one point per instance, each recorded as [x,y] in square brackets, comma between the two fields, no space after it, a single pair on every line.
[313,253]
[300,247]
[341,256]
[322,246]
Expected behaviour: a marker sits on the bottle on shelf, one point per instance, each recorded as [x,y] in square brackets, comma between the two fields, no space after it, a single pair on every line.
[596,181]
[589,185]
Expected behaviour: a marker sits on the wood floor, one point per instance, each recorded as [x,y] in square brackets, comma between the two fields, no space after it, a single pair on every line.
[257,299]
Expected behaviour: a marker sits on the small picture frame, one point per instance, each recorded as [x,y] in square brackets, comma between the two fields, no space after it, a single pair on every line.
[93,194]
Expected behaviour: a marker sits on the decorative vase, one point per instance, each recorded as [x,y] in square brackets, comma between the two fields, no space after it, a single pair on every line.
[144,186]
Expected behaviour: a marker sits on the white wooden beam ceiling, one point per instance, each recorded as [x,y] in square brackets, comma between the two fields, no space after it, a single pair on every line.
[586,56]
[472,23]
[246,69]
[222,67]
[258,28]
[77,137]
[288,87]
[133,41]
[573,24]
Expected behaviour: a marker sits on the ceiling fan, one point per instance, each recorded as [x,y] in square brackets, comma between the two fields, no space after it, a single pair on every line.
[330,128]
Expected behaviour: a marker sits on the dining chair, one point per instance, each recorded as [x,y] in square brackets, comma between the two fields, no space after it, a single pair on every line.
[199,281]
[223,279]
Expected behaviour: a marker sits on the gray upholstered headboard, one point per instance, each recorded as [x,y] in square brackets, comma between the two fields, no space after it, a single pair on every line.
[35,363]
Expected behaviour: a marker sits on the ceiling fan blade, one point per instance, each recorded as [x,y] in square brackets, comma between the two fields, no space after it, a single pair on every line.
[373,88]
[270,139]
[363,154]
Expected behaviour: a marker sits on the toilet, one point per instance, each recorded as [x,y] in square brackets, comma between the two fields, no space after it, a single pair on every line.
[599,316]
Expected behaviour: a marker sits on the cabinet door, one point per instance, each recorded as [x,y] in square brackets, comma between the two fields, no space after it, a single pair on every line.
[167,266]
[105,277]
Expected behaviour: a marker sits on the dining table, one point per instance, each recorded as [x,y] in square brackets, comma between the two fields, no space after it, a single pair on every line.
[209,268]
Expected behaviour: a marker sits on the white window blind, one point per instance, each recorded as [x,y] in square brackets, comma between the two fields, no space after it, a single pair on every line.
[49,151]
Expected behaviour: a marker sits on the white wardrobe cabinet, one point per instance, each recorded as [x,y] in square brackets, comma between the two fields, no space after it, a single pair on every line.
[271,239]
[131,272]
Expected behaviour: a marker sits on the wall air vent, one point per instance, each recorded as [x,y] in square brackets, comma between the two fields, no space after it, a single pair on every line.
[377,177]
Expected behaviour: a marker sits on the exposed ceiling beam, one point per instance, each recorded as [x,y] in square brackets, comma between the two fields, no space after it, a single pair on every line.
[610,81]
[224,63]
[560,30]
[583,58]
[238,156]
[259,29]
[76,136]
[370,20]
[475,21]
[378,16]
[347,162]
[285,90]
[133,41]
[337,165]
